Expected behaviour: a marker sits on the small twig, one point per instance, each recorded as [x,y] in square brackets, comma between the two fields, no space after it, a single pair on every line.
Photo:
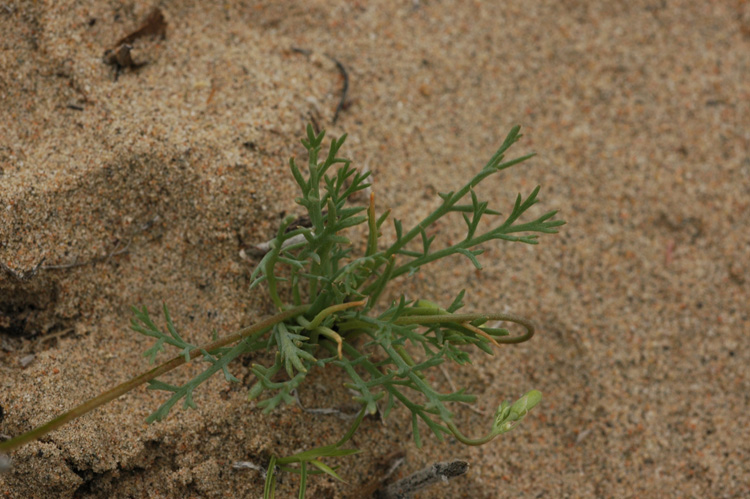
[395,464]
[448,378]
[76,263]
[73,264]
[117,251]
[384,468]
[119,56]
[340,414]
[248,465]
[50,336]
[26,275]
[438,472]
[344,89]
[342,71]
[263,248]
[304,52]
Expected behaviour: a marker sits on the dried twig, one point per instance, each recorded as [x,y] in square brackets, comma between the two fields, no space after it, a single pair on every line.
[249,465]
[50,336]
[344,74]
[384,468]
[117,251]
[344,89]
[340,414]
[25,275]
[263,248]
[119,56]
[438,472]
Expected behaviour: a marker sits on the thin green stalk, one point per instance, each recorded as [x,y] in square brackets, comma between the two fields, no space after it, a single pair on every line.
[490,168]
[302,480]
[318,319]
[461,318]
[469,441]
[123,388]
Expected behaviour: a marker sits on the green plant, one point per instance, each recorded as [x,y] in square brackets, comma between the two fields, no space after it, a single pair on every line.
[327,296]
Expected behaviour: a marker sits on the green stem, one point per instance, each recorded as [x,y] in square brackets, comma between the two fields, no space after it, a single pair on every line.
[492,166]
[353,428]
[332,310]
[460,318]
[121,389]
[470,441]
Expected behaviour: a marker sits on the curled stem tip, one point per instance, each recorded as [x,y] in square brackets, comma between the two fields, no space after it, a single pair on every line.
[507,417]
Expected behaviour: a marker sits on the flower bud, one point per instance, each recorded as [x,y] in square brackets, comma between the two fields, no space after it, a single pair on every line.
[503,410]
[523,405]
[507,416]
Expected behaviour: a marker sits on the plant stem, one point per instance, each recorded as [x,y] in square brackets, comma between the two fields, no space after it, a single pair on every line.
[470,441]
[491,168]
[461,318]
[121,389]
[436,473]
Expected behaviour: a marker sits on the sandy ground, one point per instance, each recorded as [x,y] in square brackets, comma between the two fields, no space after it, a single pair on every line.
[144,189]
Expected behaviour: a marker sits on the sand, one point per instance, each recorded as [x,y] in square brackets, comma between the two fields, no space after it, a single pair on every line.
[144,188]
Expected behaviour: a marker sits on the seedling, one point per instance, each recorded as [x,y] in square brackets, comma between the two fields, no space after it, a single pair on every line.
[329,312]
